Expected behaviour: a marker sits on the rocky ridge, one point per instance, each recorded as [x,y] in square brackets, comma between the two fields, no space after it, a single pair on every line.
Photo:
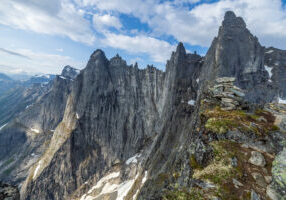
[207,128]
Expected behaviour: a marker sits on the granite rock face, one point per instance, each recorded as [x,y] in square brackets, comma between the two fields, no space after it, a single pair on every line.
[115,131]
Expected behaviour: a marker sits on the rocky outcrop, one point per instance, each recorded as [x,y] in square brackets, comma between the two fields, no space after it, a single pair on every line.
[230,96]
[278,187]
[8,192]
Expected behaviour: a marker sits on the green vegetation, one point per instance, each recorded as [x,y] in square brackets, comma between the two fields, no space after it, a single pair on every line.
[193,163]
[194,194]
[220,171]
[220,121]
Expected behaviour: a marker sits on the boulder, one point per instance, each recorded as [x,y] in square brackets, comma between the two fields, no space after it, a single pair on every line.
[257,159]
[259,179]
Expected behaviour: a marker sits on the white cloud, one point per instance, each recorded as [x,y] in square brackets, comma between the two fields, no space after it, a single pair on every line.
[101,22]
[265,18]
[48,17]
[158,50]
[37,62]
[196,26]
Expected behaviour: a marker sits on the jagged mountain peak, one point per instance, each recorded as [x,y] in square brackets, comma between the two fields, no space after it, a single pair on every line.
[232,21]
[98,54]
[180,49]
[70,72]
[117,61]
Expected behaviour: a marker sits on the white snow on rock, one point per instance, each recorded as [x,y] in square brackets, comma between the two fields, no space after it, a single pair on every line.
[144,179]
[35,130]
[28,106]
[133,159]
[270,51]
[77,116]
[282,101]
[62,77]
[106,187]
[192,102]
[124,188]
[47,76]
[101,182]
[37,169]
[2,127]
[197,80]
[269,70]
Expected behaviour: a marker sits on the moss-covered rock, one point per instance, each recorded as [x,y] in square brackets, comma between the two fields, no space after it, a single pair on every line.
[232,181]
[184,194]
[220,121]
[279,173]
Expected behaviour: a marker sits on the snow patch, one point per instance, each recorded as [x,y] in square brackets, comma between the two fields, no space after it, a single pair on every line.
[269,70]
[192,102]
[2,127]
[47,76]
[270,51]
[124,188]
[108,188]
[62,77]
[35,130]
[144,179]
[100,183]
[77,116]
[37,169]
[133,159]
[282,101]
[197,80]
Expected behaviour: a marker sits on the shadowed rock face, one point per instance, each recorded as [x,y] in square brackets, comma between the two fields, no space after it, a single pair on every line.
[275,61]
[110,112]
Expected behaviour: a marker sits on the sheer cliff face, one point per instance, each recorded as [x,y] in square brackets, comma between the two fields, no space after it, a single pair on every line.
[114,108]
[111,112]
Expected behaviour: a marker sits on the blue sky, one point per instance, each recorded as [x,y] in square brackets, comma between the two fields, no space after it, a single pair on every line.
[43,36]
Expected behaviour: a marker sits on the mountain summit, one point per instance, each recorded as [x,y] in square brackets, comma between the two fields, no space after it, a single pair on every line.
[208,127]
